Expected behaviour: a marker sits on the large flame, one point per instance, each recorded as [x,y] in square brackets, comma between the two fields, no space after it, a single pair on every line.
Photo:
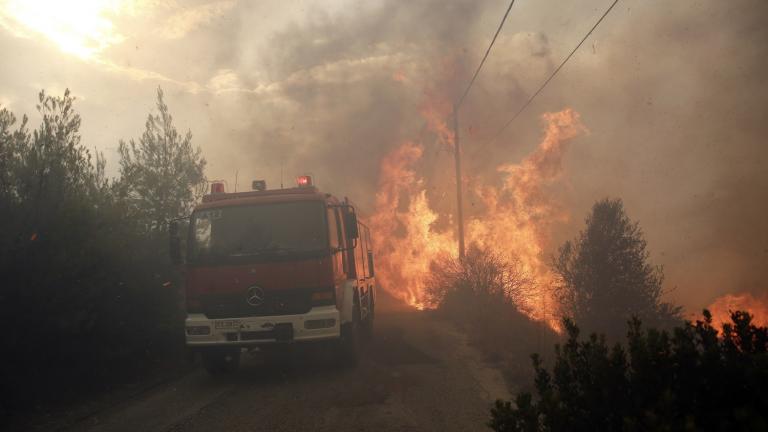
[405,240]
[515,218]
[722,307]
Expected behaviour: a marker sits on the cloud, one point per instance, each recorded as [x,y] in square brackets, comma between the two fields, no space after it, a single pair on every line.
[6,101]
[187,19]
[83,29]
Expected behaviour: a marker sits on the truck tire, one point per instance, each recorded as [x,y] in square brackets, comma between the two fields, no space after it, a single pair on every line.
[367,324]
[219,361]
[348,345]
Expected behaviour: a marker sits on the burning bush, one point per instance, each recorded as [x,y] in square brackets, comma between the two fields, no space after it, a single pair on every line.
[483,277]
[689,379]
[483,293]
[757,307]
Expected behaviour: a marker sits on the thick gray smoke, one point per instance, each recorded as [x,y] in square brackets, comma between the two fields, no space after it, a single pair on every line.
[673,93]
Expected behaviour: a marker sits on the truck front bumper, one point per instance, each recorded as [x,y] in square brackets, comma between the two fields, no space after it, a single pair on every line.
[320,323]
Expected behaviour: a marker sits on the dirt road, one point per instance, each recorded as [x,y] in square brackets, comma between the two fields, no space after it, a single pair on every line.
[418,373]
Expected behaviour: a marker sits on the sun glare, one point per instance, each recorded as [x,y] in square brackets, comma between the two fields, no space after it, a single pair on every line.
[81,27]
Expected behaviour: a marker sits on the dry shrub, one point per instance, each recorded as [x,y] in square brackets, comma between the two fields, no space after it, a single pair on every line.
[484,277]
[482,294]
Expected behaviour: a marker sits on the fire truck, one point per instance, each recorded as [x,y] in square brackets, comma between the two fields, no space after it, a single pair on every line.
[266,269]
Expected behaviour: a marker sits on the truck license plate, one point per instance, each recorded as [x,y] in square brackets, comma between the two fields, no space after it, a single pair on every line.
[227,324]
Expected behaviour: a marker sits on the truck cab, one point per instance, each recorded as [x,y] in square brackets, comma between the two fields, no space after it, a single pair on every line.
[275,267]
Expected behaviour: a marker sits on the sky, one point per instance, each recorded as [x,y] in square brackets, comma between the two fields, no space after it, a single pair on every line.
[673,94]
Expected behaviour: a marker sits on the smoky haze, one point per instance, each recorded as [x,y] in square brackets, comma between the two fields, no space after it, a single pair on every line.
[673,94]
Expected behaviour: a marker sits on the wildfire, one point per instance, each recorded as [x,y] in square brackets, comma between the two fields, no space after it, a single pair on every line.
[406,242]
[515,217]
[722,307]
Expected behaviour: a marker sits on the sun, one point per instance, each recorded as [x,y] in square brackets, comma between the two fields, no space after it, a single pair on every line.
[82,28]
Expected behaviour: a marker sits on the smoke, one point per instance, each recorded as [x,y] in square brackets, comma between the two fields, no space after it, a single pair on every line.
[673,94]
[674,108]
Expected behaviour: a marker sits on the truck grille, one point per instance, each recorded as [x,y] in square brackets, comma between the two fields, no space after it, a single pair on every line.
[234,305]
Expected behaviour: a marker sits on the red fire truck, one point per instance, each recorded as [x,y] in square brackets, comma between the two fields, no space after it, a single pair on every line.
[268,268]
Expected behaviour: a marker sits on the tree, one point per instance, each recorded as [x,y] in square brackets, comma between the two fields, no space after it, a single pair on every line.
[91,290]
[11,142]
[606,277]
[162,173]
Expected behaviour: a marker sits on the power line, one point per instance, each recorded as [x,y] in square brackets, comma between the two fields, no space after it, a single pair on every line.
[528,102]
[456,147]
[488,51]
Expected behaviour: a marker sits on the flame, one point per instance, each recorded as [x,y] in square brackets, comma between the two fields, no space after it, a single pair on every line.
[515,218]
[399,76]
[405,240]
[435,113]
[722,307]
[519,215]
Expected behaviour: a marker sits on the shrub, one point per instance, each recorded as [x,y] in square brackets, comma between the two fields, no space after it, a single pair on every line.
[482,293]
[693,378]
[484,277]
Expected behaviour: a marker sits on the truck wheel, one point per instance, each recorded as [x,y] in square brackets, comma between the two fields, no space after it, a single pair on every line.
[221,361]
[367,325]
[348,344]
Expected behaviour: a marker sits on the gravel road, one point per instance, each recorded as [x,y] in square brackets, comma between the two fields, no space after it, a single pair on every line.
[417,373]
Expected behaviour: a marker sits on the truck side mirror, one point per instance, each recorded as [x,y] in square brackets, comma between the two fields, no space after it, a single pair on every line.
[351,222]
[370,263]
[174,242]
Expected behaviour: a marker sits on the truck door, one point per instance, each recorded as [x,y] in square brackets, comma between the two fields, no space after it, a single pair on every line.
[337,244]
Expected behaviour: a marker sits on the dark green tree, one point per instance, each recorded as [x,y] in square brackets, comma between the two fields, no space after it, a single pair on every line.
[89,292]
[11,143]
[692,378]
[162,173]
[606,276]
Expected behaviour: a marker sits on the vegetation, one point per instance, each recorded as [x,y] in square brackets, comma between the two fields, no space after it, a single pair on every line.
[482,294]
[606,277]
[87,290]
[689,379]
[162,173]
[482,279]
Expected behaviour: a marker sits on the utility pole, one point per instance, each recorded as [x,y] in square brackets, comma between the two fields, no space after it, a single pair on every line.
[459,201]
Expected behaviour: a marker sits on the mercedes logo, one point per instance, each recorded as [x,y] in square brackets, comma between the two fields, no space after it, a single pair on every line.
[255,296]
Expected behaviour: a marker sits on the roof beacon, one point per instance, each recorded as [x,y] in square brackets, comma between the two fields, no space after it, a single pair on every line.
[217,188]
[304,181]
[259,185]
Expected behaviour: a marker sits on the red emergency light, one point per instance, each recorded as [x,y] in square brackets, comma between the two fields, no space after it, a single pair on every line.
[217,188]
[304,181]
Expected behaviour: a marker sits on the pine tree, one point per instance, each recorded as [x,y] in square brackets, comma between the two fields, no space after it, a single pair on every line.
[162,173]
[607,277]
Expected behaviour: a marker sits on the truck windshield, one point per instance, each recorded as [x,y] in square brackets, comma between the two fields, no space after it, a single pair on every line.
[273,229]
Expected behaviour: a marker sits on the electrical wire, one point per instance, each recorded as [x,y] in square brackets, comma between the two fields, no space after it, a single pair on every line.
[530,99]
[487,51]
